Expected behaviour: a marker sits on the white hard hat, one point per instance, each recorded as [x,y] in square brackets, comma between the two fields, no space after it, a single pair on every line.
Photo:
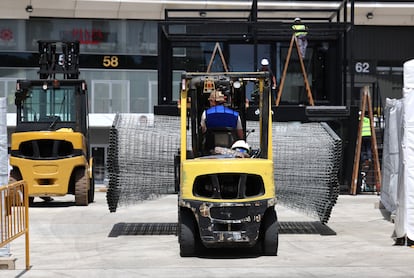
[264,62]
[297,19]
[241,145]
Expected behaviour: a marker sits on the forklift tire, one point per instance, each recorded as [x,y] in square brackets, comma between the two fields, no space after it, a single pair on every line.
[16,176]
[186,236]
[270,233]
[177,161]
[91,191]
[81,187]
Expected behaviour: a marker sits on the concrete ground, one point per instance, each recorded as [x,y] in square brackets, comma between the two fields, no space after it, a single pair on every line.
[71,241]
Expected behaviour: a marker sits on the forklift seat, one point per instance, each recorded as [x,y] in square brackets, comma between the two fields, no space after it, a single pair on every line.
[219,137]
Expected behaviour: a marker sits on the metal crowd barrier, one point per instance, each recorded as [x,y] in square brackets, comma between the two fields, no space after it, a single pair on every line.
[14,216]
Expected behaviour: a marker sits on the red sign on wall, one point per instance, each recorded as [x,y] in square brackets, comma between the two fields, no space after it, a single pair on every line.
[6,34]
[85,36]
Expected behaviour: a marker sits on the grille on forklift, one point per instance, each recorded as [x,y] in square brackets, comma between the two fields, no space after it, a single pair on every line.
[228,186]
[46,148]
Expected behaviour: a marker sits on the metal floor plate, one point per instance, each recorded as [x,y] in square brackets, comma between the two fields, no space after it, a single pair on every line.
[140,229]
[285,227]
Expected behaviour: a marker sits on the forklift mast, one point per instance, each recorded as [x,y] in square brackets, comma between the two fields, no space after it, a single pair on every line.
[58,99]
[58,57]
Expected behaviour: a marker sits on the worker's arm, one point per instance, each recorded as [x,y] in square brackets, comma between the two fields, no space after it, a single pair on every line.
[240,133]
[239,129]
[203,122]
[274,82]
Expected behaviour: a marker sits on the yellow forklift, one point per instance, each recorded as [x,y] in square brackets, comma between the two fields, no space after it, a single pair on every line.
[50,145]
[226,194]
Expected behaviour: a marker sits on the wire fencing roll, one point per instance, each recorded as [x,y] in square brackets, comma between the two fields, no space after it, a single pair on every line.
[307,159]
[140,162]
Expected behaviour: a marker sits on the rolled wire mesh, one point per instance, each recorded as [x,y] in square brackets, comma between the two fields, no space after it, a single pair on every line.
[307,159]
[141,159]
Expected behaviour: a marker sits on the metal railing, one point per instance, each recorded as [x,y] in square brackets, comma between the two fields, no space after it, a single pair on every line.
[14,216]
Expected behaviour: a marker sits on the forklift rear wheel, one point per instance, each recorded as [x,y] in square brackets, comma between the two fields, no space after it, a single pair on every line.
[81,187]
[271,234]
[186,235]
[91,191]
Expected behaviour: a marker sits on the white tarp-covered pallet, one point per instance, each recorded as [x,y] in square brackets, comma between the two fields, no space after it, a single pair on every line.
[392,153]
[408,146]
[397,193]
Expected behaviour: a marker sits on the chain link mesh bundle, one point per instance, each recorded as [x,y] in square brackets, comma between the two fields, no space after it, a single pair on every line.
[307,160]
[141,158]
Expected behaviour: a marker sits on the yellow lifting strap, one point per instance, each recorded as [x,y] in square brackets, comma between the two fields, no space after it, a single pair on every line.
[302,65]
[213,55]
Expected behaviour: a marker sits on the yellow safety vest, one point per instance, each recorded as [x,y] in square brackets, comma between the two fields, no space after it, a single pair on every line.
[366,127]
[300,30]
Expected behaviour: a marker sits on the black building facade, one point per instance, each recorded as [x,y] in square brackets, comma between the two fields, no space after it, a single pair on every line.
[138,67]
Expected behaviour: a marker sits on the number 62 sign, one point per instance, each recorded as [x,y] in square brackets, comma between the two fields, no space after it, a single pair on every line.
[363,67]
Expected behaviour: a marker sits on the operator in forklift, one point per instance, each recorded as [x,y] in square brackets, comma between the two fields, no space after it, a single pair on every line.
[219,115]
[220,125]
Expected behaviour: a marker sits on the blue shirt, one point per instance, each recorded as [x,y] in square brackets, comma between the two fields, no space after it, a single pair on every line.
[221,116]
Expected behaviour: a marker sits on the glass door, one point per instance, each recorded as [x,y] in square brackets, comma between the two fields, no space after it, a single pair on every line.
[110,96]
[7,90]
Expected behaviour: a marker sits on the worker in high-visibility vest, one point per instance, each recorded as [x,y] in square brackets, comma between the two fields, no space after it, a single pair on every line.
[301,31]
[366,154]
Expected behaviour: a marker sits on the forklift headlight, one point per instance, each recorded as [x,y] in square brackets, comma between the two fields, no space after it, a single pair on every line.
[236,84]
[204,210]
[183,85]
